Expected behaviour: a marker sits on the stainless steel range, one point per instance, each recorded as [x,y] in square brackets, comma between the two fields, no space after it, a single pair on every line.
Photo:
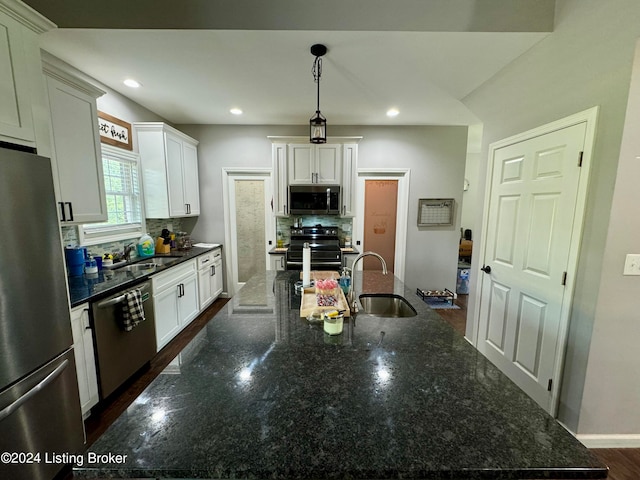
[325,248]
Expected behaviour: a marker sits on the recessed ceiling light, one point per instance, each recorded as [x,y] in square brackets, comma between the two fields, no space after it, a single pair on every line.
[130,82]
[236,111]
[392,112]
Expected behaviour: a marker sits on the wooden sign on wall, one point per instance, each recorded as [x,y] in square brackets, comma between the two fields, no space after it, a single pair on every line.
[114,131]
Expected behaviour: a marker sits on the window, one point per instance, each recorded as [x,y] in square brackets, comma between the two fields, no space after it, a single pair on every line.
[124,199]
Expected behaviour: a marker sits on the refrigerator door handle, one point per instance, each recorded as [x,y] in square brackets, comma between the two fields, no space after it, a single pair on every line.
[62,212]
[25,398]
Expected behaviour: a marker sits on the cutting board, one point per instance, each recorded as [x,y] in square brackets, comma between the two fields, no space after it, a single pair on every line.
[309,303]
[323,275]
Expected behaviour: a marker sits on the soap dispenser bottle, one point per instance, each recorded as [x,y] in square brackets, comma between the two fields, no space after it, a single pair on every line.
[345,280]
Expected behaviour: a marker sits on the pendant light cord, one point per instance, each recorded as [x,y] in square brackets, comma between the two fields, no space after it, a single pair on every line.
[317,73]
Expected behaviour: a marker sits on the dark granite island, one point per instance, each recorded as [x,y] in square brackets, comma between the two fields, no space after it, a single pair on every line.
[260,393]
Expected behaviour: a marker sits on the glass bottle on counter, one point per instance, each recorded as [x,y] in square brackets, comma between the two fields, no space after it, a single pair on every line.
[280,240]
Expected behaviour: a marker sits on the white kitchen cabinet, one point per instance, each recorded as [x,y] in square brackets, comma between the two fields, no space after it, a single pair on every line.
[297,162]
[277,261]
[85,358]
[169,160]
[280,180]
[310,163]
[349,169]
[209,276]
[175,300]
[76,156]
[22,101]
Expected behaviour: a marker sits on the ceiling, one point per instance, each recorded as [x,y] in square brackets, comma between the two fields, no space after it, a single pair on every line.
[197,75]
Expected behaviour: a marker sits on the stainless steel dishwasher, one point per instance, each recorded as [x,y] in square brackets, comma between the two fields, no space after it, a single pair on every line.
[119,354]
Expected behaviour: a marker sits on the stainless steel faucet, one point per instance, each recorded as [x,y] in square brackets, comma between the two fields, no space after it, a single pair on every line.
[351,296]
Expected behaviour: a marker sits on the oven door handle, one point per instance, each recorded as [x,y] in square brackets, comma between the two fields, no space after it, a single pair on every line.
[315,263]
[118,299]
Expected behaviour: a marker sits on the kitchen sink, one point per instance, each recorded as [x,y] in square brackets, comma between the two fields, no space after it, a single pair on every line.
[386,305]
[147,264]
[138,267]
[161,260]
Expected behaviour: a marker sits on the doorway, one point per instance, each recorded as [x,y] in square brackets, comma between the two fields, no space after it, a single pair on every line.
[387,222]
[247,195]
[536,194]
[380,216]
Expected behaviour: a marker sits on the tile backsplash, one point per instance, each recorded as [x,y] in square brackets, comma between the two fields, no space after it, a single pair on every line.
[154,228]
[284,224]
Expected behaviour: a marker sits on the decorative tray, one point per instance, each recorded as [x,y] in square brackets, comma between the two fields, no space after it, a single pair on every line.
[445,295]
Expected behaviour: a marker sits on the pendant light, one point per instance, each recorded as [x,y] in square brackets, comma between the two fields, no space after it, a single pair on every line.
[317,123]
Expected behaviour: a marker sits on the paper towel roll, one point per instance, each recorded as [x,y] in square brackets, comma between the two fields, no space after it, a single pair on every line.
[306,265]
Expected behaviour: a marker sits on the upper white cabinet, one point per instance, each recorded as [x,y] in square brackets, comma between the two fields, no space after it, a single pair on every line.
[298,162]
[321,164]
[76,157]
[280,181]
[349,161]
[169,160]
[22,100]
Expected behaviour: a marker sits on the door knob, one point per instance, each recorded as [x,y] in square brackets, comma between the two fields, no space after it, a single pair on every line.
[486,269]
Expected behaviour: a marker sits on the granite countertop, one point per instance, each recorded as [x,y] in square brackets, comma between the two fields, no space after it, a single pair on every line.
[90,287]
[261,393]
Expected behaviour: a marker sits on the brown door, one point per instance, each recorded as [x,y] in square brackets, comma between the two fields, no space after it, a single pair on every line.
[380,212]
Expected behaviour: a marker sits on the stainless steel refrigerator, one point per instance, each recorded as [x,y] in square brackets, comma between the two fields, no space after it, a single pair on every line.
[39,405]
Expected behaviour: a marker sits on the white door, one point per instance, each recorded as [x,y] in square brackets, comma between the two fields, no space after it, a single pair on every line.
[249,224]
[532,220]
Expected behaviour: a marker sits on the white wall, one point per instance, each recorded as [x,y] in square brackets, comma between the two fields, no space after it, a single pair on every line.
[121,107]
[435,155]
[586,61]
[614,361]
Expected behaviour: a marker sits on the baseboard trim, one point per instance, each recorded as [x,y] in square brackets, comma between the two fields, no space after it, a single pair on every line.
[610,440]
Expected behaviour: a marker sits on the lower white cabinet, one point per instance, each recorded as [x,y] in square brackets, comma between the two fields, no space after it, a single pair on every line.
[85,358]
[175,300]
[210,276]
[277,261]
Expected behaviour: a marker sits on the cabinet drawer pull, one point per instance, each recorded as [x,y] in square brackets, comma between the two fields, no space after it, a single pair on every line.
[63,217]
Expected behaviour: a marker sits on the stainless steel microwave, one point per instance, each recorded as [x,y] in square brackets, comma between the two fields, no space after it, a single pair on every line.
[314,199]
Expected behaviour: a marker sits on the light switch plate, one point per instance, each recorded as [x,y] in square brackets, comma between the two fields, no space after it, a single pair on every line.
[632,264]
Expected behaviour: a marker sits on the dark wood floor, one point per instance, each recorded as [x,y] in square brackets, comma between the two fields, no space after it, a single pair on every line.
[624,463]
[457,317]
